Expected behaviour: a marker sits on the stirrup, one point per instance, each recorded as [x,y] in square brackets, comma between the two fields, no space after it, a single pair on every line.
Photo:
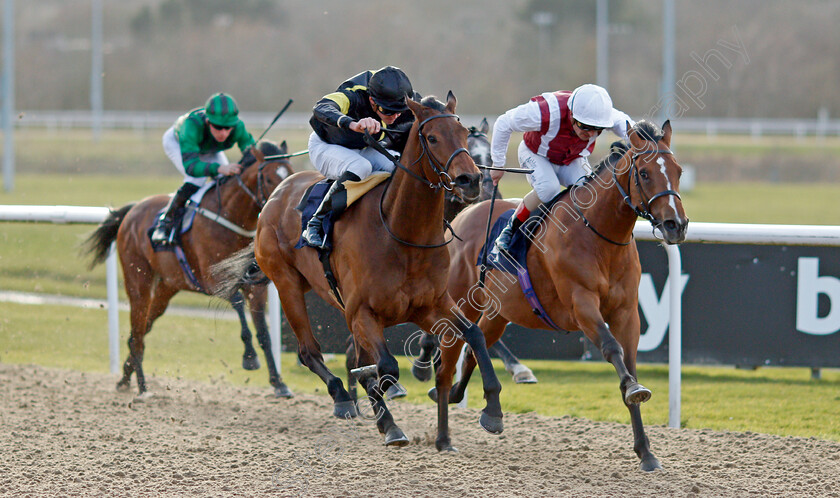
[504,239]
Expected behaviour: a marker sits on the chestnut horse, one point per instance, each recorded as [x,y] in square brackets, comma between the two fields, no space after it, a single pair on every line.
[583,264]
[153,278]
[390,261]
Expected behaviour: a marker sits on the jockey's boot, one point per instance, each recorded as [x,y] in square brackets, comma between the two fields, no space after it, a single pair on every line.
[312,235]
[506,235]
[163,234]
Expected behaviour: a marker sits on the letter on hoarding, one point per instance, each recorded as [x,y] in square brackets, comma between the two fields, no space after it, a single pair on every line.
[809,285]
[655,310]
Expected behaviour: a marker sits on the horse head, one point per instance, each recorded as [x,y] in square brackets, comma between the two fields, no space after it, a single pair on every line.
[654,180]
[263,168]
[442,139]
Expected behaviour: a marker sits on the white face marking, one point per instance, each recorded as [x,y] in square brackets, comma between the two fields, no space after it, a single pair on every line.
[282,172]
[671,202]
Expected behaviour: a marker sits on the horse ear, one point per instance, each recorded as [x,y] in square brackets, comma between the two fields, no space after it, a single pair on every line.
[258,154]
[283,147]
[414,106]
[483,127]
[450,102]
[627,123]
[666,128]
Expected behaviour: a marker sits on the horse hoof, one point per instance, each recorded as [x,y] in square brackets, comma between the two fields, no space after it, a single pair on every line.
[491,424]
[345,409]
[423,374]
[395,437]
[637,394]
[251,363]
[122,387]
[283,391]
[433,394]
[523,375]
[144,396]
[396,391]
[650,464]
[448,448]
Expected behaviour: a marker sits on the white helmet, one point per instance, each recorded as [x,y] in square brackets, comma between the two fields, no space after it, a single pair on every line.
[591,105]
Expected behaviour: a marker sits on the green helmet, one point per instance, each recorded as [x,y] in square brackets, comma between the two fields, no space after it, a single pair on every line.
[221,110]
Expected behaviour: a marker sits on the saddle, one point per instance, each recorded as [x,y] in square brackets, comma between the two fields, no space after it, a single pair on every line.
[315,194]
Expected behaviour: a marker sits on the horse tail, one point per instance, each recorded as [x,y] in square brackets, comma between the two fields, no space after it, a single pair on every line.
[239,269]
[99,242]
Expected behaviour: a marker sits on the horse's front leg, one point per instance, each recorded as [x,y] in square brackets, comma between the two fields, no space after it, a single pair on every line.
[421,367]
[633,393]
[451,325]
[371,349]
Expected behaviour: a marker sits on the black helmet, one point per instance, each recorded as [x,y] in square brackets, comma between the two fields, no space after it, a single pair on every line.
[389,86]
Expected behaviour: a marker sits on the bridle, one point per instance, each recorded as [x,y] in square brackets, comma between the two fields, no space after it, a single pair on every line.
[441,170]
[260,197]
[642,210]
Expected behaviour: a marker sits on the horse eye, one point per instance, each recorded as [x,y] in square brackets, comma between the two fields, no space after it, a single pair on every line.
[432,139]
[644,174]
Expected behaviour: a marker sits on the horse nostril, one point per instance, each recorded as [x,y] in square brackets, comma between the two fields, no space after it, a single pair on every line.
[670,225]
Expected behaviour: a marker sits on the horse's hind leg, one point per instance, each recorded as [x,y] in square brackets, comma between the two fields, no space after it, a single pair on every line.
[521,374]
[257,297]
[250,360]
[309,351]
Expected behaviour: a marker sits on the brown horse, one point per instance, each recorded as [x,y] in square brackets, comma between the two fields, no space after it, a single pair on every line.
[153,278]
[583,263]
[390,262]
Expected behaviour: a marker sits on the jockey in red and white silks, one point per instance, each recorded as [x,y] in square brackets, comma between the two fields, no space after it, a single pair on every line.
[560,133]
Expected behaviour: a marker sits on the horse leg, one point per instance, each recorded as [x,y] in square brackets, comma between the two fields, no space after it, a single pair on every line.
[632,392]
[521,374]
[256,304]
[161,294]
[421,367]
[451,326]
[449,353]
[370,348]
[250,360]
[309,351]
[372,385]
[139,285]
[350,363]
[493,330]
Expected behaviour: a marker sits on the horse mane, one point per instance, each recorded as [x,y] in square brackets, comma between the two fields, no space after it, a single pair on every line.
[644,128]
[433,102]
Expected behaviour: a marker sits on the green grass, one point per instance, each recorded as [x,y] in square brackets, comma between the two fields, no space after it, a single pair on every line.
[780,401]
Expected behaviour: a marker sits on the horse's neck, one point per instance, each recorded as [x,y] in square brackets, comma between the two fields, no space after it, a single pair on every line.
[413,210]
[608,214]
[237,206]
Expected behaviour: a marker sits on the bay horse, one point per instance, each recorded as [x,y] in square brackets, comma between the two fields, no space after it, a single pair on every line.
[153,278]
[479,148]
[390,261]
[583,264]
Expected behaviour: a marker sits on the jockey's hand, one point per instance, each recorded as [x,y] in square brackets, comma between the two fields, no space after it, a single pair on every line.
[370,125]
[230,169]
[496,175]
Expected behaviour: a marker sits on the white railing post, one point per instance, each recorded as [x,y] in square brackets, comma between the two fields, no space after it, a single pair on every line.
[674,335]
[274,311]
[113,309]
